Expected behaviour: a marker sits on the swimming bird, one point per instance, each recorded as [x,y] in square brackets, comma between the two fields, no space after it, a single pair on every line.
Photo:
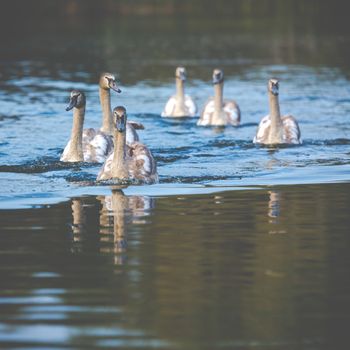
[217,111]
[180,105]
[108,82]
[88,145]
[274,128]
[128,161]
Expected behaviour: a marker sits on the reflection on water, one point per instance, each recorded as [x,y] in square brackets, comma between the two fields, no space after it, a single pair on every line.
[109,217]
[202,271]
[113,217]
[274,206]
[249,267]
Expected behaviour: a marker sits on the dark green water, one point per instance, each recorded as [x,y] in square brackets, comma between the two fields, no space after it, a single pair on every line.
[239,246]
[260,268]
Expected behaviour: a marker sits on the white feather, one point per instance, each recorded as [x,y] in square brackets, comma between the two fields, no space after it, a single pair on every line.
[169,107]
[263,125]
[191,106]
[131,135]
[206,114]
[100,144]
[146,164]
[233,113]
[65,152]
[290,130]
[106,168]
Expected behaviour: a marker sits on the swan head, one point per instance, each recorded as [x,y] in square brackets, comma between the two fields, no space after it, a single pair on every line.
[107,81]
[218,76]
[77,100]
[273,86]
[180,73]
[119,115]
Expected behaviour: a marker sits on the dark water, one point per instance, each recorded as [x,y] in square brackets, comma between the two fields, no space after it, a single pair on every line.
[239,246]
[259,268]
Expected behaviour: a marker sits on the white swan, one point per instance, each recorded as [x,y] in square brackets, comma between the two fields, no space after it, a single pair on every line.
[128,161]
[217,111]
[274,128]
[107,83]
[88,145]
[180,105]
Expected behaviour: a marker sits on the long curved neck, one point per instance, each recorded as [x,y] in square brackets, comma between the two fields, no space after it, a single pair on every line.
[107,122]
[119,166]
[218,97]
[275,117]
[76,146]
[180,108]
[180,90]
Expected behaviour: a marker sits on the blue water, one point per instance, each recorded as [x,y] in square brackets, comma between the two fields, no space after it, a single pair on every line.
[35,128]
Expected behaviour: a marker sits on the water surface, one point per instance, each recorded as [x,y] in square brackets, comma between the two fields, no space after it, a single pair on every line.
[258,268]
[238,246]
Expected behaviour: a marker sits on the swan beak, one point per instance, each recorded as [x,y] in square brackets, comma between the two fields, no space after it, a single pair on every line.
[274,89]
[72,103]
[121,123]
[216,79]
[182,76]
[112,85]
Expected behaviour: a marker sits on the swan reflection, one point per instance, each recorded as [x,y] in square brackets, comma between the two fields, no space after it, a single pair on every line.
[274,206]
[101,224]
[274,211]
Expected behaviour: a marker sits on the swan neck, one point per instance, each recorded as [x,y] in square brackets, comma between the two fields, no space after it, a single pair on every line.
[76,148]
[275,114]
[119,167]
[218,97]
[107,120]
[180,90]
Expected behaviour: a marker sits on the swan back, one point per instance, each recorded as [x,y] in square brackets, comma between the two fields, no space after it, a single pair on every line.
[131,134]
[142,165]
[190,109]
[230,115]
[180,105]
[217,111]
[96,145]
[274,129]
[290,131]
[128,161]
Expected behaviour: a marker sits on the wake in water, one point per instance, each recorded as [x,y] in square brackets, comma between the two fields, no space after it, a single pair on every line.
[43,165]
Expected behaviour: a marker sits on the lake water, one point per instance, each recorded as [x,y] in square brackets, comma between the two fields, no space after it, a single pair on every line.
[238,246]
